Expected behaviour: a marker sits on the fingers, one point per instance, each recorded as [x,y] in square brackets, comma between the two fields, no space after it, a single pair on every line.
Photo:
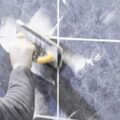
[21,35]
[31,47]
[24,42]
[21,52]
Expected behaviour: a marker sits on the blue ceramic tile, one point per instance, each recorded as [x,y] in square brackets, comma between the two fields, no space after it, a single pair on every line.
[91,80]
[90,18]
[25,9]
[11,10]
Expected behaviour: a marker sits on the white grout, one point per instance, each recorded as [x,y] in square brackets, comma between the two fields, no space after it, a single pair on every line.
[44,116]
[85,39]
[51,117]
[88,39]
[58,21]
[76,39]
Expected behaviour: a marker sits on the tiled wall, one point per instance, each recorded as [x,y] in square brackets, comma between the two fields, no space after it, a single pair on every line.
[87,87]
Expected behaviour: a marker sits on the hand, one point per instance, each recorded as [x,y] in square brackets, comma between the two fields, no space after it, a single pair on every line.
[21,52]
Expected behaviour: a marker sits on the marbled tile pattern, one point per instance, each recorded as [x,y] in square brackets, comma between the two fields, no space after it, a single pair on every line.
[10,11]
[90,18]
[99,80]
[25,9]
[89,88]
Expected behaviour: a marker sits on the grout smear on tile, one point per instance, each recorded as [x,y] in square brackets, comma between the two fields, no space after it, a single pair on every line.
[8,33]
[77,62]
[40,23]
[64,1]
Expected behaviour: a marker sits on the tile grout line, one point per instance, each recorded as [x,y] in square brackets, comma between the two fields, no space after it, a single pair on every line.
[58,3]
[86,39]
[51,117]
[89,39]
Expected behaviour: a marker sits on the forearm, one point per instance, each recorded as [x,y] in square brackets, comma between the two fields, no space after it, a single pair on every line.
[19,100]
